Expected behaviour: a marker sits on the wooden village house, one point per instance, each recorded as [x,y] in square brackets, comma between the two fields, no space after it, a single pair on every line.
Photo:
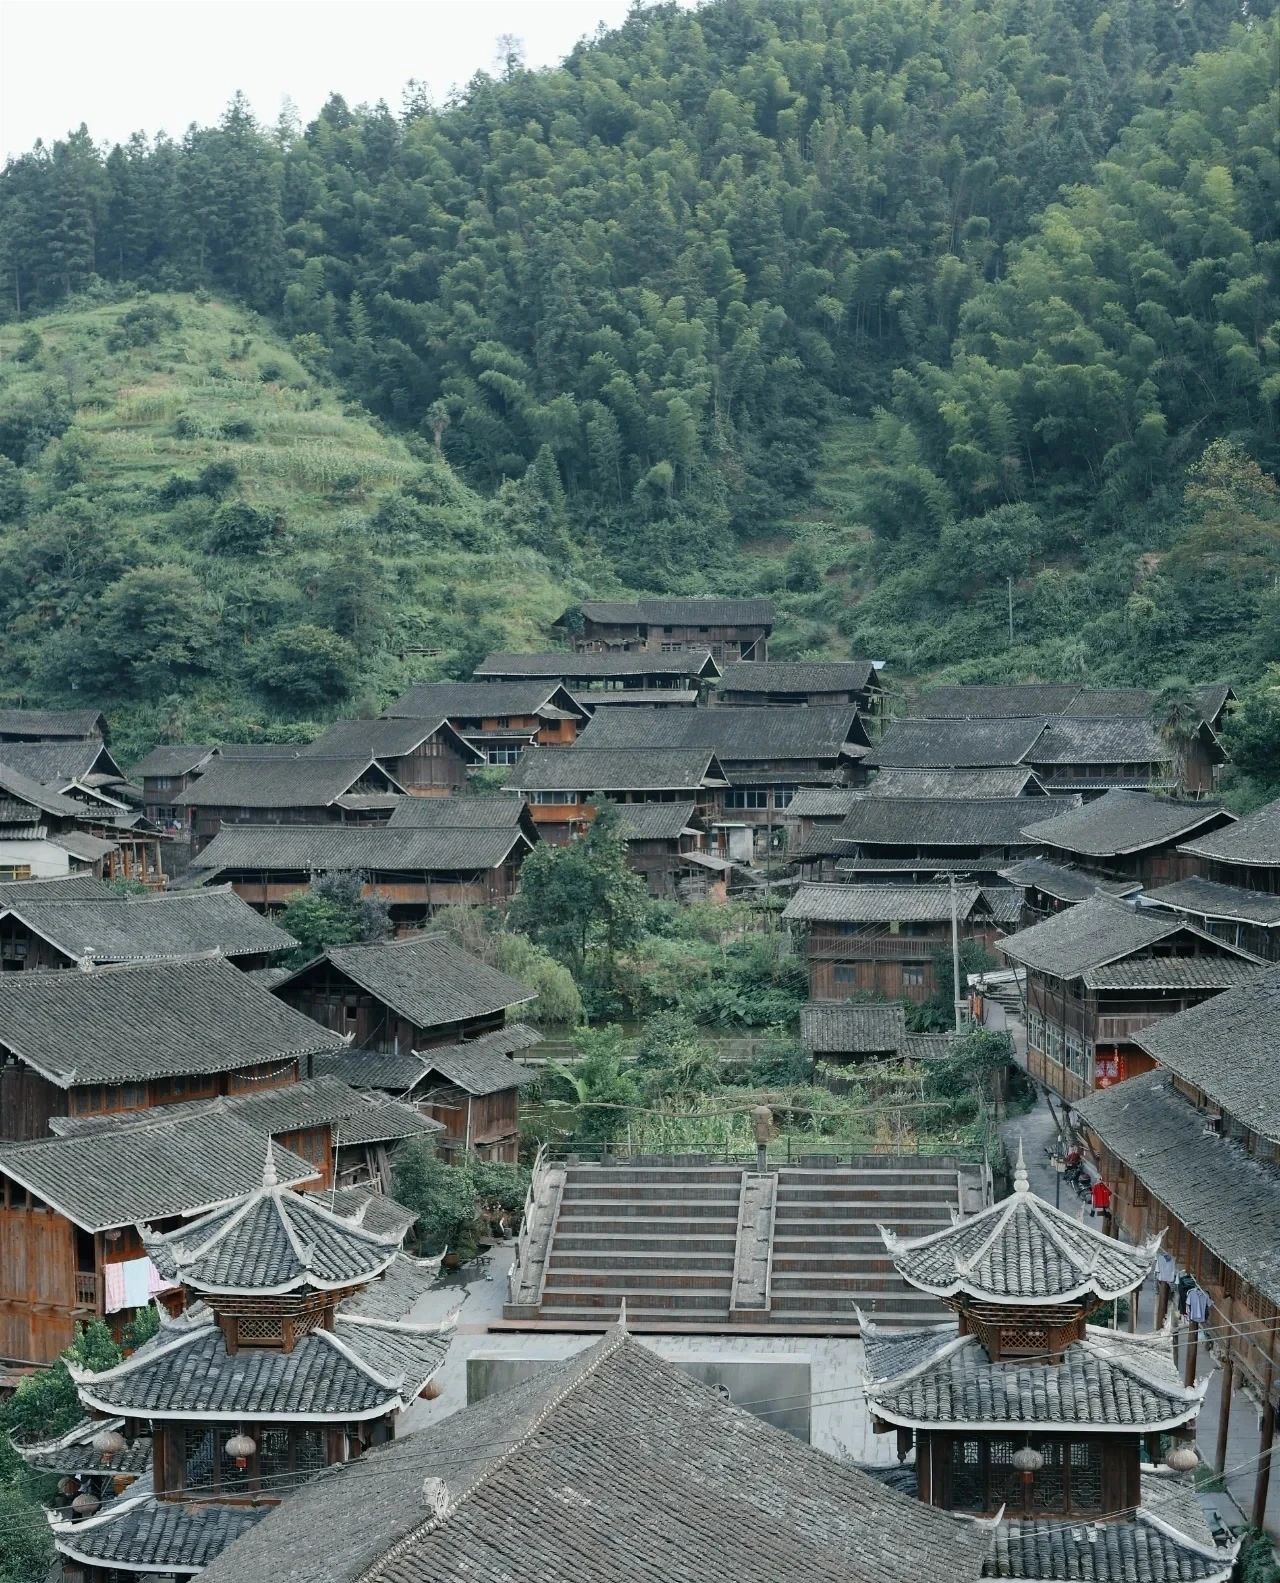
[52,725]
[132,1036]
[41,930]
[1098,974]
[425,1020]
[1191,1153]
[797,683]
[906,839]
[424,757]
[683,676]
[884,940]
[667,847]
[1232,889]
[730,629]
[558,784]
[286,786]
[766,754]
[499,719]
[292,1353]
[165,772]
[1022,1409]
[1127,836]
[415,869]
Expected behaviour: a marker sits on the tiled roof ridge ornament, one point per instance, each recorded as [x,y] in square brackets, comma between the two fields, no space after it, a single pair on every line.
[1021,1182]
[269,1177]
[892,1241]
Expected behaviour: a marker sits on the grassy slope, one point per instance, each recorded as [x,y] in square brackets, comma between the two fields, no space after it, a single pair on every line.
[323,464]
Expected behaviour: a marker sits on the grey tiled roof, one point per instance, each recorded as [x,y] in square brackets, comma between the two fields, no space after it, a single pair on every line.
[271,1240]
[1097,931]
[1062,882]
[393,1295]
[880,904]
[1255,840]
[482,700]
[938,821]
[957,744]
[360,1369]
[608,1468]
[254,779]
[21,788]
[166,1167]
[569,667]
[592,697]
[1174,972]
[139,1533]
[388,738]
[655,821]
[58,763]
[708,611]
[1206,898]
[1109,1381]
[852,1029]
[152,927]
[479,1066]
[426,978]
[172,758]
[1011,780]
[822,802]
[67,887]
[587,769]
[501,811]
[1211,697]
[374,1211]
[335,848]
[1226,1047]
[72,1453]
[1231,1200]
[383,1120]
[1093,740]
[1120,822]
[50,723]
[1138,1550]
[1021,1251]
[289,1107]
[797,676]
[734,733]
[122,1024]
[979,701]
[399,1073]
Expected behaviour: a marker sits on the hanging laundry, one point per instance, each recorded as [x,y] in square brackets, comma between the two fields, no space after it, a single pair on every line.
[113,1286]
[157,1282]
[137,1292]
[1166,1268]
[1198,1305]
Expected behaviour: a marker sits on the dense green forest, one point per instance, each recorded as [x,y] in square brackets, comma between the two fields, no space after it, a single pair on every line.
[930,309]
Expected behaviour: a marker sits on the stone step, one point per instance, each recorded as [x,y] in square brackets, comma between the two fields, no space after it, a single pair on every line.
[636,1280]
[802,1231]
[864,1193]
[852,1281]
[697,1303]
[689,1240]
[723,1175]
[651,1209]
[578,1228]
[873,1301]
[674,1256]
[824,1264]
[933,1216]
[637,1314]
[605,1191]
[789,1174]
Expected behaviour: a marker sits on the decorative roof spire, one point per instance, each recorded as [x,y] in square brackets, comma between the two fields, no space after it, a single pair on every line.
[269,1177]
[1021,1182]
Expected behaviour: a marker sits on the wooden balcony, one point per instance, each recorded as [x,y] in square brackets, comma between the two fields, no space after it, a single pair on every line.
[1115,1028]
[872,948]
[87,1288]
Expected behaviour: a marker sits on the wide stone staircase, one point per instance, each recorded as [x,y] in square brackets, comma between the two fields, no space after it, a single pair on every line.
[715,1248]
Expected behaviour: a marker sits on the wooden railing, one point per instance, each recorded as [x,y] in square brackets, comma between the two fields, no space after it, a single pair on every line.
[875,948]
[536,1176]
[86,1289]
[1109,1029]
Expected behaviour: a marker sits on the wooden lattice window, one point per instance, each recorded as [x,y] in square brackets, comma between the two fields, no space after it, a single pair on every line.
[1084,1472]
[1047,1490]
[968,1479]
[260,1331]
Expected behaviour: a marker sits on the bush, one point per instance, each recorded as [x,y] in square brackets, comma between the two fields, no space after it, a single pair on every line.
[307,666]
[141,326]
[217,479]
[240,529]
[238,429]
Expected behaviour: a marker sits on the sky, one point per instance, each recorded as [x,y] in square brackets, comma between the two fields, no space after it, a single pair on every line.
[127,65]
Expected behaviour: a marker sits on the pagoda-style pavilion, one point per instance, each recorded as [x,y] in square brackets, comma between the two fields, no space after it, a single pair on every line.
[292,1354]
[1026,1409]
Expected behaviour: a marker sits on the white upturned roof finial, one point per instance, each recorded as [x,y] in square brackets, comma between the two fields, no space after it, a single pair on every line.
[1021,1182]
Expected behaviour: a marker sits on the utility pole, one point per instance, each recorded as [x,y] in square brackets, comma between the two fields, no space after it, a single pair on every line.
[955,954]
[1010,582]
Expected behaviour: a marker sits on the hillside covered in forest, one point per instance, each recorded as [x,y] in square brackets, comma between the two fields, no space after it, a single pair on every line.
[931,321]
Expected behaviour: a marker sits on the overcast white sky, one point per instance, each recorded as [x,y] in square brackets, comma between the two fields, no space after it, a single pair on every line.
[151,65]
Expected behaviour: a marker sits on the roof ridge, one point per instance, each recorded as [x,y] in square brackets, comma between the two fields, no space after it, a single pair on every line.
[1116,1355]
